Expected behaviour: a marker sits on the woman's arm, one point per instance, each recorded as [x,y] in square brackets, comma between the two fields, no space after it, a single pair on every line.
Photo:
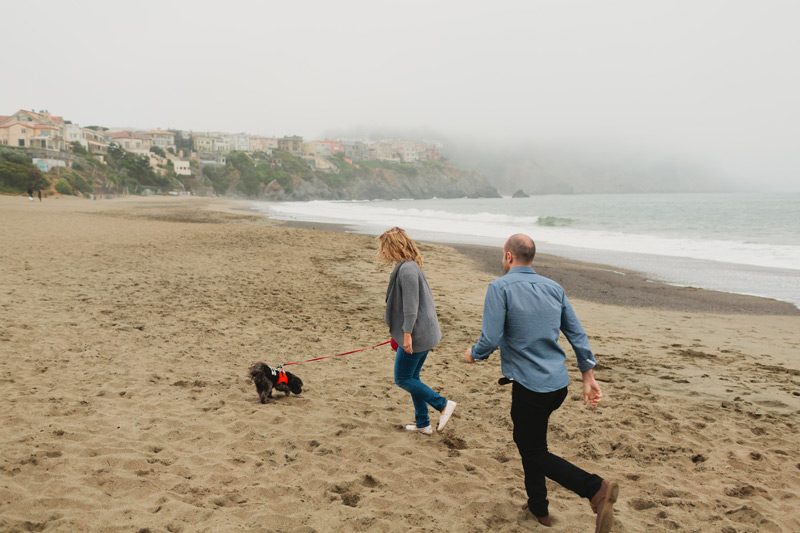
[408,280]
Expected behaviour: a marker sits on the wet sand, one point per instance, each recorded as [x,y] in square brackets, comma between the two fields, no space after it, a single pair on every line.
[127,327]
[611,285]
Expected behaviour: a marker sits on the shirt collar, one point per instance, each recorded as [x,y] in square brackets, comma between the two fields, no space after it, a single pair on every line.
[523,270]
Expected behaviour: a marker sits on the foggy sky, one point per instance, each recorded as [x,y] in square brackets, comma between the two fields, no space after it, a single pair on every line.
[712,79]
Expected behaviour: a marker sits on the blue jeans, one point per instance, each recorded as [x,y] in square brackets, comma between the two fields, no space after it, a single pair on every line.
[406,376]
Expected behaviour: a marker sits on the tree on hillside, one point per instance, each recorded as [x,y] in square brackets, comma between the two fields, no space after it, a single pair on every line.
[133,169]
[17,173]
[77,148]
[220,177]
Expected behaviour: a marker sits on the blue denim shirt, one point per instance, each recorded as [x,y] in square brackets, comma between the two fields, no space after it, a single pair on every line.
[523,314]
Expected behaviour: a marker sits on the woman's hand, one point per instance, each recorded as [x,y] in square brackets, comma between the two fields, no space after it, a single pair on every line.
[407,343]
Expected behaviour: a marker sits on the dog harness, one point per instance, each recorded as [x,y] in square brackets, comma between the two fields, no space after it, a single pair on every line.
[281,375]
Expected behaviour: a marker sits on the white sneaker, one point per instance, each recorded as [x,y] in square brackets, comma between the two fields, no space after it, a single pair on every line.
[448,410]
[427,430]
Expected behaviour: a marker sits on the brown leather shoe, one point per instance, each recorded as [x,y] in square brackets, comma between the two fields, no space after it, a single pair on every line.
[546,520]
[603,504]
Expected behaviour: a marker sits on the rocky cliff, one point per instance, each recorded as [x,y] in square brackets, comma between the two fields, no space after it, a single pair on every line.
[383,184]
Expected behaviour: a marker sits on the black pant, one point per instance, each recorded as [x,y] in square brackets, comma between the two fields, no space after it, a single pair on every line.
[530,412]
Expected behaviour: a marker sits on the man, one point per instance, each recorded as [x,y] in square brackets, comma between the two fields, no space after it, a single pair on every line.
[523,314]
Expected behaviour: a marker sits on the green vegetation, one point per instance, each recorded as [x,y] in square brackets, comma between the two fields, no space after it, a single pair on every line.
[256,174]
[63,187]
[75,180]
[293,165]
[87,175]
[219,177]
[17,173]
[438,165]
[78,149]
[347,172]
[407,169]
[248,175]
[133,171]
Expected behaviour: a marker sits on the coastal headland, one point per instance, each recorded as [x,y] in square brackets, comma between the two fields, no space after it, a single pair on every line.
[127,327]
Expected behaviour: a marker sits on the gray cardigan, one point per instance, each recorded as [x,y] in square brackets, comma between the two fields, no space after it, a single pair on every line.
[410,308]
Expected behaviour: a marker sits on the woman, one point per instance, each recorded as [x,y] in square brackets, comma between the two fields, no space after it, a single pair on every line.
[411,317]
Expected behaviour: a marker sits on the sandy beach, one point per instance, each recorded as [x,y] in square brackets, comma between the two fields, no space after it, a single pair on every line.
[127,327]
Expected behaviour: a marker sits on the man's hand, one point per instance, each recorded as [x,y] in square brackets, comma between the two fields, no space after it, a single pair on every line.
[468,356]
[407,343]
[591,390]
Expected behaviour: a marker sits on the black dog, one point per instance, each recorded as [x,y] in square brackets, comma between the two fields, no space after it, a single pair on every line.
[267,378]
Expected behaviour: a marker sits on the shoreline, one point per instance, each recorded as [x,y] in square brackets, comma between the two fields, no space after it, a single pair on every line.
[603,283]
[582,280]
[755,261]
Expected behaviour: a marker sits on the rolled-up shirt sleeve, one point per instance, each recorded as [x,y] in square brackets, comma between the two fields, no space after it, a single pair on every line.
[492,325]
[575,334]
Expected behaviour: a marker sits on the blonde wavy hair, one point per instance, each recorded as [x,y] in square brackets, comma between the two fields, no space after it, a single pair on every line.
[395,245]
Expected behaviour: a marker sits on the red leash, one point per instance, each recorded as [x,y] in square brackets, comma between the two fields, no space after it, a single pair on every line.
[337,355]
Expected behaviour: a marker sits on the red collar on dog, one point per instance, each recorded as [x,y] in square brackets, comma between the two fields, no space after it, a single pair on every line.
[282,377]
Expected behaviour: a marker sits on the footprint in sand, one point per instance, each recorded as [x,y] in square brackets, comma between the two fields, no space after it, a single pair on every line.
[349,493]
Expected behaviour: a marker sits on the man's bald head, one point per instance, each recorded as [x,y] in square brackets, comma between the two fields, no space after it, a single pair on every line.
[523,248]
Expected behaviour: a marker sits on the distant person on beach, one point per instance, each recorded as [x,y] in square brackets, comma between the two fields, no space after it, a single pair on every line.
[523,314]
[411,317]
[40,195]
[30,194]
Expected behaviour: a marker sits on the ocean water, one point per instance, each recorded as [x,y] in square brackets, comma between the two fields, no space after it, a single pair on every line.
[740,243]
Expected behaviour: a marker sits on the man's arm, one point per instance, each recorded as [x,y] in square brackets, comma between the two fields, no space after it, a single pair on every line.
[575,334]
[492,325]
